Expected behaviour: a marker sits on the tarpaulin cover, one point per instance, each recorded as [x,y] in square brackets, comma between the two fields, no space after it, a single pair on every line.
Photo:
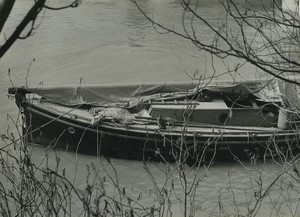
[129,95]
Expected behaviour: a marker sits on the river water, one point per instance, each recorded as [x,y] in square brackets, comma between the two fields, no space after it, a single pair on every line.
[110,41]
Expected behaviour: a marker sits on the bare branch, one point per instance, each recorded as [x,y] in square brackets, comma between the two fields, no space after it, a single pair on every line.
[30,17]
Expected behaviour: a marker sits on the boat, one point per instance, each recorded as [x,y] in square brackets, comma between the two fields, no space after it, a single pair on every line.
[167,121]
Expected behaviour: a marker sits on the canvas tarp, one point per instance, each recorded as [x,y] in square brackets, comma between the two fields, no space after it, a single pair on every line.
[129,95]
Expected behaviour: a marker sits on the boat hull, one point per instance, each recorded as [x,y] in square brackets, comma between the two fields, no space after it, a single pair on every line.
[46,128]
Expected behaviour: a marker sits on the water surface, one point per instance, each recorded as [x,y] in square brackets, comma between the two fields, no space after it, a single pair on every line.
[110,41]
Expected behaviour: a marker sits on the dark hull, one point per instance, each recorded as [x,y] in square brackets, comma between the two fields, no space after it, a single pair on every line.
[51,130]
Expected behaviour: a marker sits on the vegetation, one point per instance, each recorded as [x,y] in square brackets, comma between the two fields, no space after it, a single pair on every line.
[260,33]
[29,20]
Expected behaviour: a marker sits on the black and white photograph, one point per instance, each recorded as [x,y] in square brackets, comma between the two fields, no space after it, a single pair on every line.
[159,108]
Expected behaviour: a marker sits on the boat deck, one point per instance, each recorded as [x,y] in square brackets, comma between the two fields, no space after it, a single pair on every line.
[148,124]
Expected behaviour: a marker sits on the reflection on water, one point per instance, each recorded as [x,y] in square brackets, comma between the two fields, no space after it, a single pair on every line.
[223,187]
